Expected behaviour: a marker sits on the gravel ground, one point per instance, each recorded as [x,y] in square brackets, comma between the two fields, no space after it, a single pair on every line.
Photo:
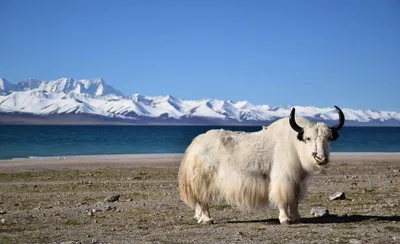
[68,205]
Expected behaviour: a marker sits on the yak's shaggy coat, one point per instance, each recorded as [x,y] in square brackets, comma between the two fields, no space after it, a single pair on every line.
[251,170]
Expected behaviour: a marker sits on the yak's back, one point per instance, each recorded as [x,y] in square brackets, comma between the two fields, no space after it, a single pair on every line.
[215,144]
[223,139]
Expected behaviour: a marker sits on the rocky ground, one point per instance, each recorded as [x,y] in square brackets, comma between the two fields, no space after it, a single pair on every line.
[70,206]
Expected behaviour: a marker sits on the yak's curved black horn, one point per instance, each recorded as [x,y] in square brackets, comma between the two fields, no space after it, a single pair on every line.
[340,123]
[293,123]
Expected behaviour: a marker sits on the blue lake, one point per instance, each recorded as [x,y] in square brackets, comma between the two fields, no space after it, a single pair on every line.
[20,141]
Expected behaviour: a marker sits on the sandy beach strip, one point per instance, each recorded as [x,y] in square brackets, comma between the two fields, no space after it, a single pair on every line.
[91,161]
[154,160]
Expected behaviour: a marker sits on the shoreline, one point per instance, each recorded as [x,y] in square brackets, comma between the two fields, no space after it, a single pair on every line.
[174,155]
[99,156]
[155,160]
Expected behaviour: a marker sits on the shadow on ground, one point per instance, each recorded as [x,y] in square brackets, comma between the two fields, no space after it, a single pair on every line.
[331,219]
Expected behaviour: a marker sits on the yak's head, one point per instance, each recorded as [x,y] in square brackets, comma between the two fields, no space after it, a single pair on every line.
[317,137]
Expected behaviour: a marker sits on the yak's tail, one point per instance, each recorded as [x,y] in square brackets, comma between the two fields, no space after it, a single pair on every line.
[185,186]
[196,181]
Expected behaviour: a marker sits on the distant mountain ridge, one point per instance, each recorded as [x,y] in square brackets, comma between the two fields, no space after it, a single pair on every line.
[95,87]
[94,100]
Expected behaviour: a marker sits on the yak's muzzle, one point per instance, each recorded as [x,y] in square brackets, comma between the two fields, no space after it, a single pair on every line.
[321,161]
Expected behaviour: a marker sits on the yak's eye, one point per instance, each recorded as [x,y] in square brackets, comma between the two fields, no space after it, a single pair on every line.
[308,139]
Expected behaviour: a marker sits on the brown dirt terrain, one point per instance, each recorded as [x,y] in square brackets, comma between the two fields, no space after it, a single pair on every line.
[55,205]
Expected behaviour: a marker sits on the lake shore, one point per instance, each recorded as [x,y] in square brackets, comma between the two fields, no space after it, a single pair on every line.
[55,200]
[151,160]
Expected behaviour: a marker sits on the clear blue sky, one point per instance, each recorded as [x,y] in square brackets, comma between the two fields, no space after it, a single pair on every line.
[317,53]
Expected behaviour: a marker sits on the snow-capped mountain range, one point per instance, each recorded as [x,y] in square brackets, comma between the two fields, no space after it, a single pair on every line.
[94,100]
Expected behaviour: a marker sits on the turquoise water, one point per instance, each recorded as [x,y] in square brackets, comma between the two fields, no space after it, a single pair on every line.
[21,141]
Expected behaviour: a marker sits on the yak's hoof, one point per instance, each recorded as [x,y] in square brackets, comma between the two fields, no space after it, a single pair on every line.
[290,221]
[210,222]
[206,221]
[295,221]
[286,222]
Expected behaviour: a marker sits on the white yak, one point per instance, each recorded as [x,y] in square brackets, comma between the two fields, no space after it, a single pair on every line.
[252,170]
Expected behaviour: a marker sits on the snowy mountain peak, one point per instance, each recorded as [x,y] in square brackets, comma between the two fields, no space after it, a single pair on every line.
[95,87]
[29,84]
[5,85]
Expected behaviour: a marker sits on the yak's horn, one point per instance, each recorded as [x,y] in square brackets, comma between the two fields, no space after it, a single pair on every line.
[293,123]
[340,123]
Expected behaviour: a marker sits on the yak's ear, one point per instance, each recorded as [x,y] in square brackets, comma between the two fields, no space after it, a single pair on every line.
[300,136]
[335,135]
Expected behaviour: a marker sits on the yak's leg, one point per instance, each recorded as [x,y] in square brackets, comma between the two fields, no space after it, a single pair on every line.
[280,195]
[283,214]
[198,211]
[294,212]
[301,191]
[203,214]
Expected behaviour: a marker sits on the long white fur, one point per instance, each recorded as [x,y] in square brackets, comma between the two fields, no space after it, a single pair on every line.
[251,170]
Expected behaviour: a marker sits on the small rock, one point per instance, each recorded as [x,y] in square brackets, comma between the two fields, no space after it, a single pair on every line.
[90,213]
[94,241]
[3,221]
[110,208]
[337,196]
[70,242]
[319,211]
[112,198]
[2,211]
[129,200]
[354,241]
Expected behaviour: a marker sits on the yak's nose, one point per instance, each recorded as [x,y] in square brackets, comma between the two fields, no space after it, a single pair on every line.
[323,160]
